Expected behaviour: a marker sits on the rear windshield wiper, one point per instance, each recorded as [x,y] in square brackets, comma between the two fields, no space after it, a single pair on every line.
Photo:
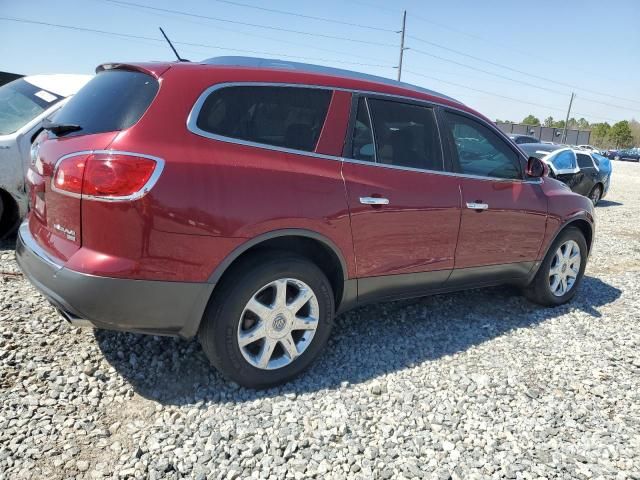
[60,128]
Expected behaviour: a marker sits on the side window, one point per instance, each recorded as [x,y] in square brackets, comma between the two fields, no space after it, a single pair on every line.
[584,161]
[288,117]
[362,147]
[406,135]
[480,151]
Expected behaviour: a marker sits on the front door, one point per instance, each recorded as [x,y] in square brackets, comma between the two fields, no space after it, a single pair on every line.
[405,212]
[503,215]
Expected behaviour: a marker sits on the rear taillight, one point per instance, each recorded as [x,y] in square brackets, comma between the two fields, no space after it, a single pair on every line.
[106,175]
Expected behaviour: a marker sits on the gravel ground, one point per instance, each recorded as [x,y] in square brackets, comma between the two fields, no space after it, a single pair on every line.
[480,384]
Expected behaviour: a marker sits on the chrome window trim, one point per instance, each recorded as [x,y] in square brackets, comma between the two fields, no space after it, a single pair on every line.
[445,173]
[124,198]
[373,131]
[192,119]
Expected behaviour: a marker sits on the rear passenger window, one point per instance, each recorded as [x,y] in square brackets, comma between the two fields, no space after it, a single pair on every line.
[288,117]
[480,151]
[405,135]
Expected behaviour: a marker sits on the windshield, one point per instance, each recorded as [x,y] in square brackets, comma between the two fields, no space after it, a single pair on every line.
[21,102]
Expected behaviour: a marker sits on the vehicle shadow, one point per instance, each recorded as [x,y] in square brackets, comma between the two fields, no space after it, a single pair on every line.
[608,203]
[366,343]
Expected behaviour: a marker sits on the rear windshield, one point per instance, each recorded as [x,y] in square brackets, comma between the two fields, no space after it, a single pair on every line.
[21,102]
[112,100]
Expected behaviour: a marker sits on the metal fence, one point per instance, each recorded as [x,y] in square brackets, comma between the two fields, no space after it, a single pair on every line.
[547,134]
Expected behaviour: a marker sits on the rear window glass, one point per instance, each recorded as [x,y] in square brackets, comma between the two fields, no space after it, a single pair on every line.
[21,102]
[288,117]
[112,100]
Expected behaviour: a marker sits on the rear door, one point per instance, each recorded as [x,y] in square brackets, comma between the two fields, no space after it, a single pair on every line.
[590,174]
[503,215]
[405,211]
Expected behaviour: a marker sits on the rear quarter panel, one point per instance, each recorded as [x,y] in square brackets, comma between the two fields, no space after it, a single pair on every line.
[212,195]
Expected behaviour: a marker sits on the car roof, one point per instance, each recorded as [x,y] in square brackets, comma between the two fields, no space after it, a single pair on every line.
[547,147]
[269,63]
[63,85]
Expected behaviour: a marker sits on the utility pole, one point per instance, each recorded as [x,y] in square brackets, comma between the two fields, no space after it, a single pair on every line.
[566,122]
[404,24]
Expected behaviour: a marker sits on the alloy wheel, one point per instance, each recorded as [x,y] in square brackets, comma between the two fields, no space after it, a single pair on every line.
[278,323]
[565,268]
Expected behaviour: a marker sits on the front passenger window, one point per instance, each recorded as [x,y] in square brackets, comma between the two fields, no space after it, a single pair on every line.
[480,151]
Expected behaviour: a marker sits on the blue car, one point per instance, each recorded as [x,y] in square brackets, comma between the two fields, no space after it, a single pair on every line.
[632,154]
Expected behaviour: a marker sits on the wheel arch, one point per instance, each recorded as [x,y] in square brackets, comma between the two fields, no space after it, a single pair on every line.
[317,247]
[580,222]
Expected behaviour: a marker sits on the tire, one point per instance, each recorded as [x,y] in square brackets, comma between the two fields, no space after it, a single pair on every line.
[596,194]
[229,318]
[540,289]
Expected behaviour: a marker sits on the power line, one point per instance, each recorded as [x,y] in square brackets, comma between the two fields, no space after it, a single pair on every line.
[493,94]
[311,17]
[492,42]
[477,69]
[255,25]
[140,37]
[248,34]
[506,67]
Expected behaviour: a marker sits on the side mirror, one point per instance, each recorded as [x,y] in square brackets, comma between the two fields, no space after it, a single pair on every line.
[536,168]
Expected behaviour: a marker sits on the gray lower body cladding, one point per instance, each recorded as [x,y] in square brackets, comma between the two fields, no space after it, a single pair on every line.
[145,306]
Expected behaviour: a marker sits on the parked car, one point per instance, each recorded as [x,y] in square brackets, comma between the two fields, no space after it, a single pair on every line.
[578,169]
[590,148]
[519,139]
[630,154]
[246,201]
[610,154]
[24,104]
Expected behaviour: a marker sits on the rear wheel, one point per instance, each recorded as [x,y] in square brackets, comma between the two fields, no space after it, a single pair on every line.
[561,271]
[268,321]
[596,194]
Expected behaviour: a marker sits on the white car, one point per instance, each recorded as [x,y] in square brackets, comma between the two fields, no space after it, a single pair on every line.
[590,148]
[24,104]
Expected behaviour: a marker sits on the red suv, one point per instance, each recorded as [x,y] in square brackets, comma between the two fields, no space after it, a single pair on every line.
[248,201]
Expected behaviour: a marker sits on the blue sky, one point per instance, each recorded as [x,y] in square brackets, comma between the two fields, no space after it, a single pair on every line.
[550,48]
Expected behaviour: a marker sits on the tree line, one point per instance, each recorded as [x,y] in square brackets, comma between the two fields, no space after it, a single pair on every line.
[623,134]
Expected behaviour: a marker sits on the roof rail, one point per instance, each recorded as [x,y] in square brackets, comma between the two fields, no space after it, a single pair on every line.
[257,62]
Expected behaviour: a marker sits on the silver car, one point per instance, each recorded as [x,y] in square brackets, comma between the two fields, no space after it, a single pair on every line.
[24,104]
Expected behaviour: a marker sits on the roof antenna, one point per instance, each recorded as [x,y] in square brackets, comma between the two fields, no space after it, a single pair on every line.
[180,59]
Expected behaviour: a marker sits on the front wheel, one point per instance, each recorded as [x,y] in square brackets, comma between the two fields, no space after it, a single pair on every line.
[268,320]
[561,270]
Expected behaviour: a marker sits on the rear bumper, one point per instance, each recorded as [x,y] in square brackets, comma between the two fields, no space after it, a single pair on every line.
[144,306]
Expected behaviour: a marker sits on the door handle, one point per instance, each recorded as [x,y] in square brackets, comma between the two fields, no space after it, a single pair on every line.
[477,206]
[374,201]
